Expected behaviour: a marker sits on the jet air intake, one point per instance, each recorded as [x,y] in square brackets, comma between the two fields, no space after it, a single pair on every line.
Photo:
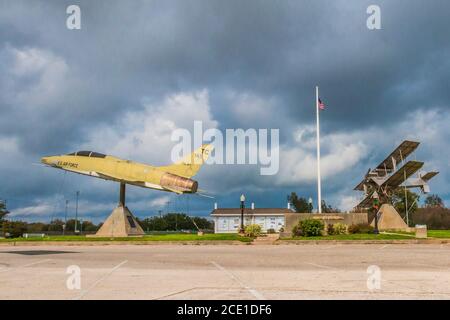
[172,181]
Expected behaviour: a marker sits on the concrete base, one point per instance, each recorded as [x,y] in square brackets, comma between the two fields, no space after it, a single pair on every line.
[120,223]
[421,231]
[390,219]
[293,218]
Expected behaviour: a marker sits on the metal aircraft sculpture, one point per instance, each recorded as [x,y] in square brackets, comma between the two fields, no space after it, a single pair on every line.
[393,173]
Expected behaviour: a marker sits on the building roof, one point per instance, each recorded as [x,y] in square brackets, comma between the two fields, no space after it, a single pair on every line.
[249,211]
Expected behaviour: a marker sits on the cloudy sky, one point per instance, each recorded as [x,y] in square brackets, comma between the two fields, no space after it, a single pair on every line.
[137,70]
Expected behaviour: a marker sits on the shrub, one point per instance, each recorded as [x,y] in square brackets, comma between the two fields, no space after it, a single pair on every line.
[253,230]
[354,228]
[308,228]
[297,231]
[281,229]
[360,228]
[312,227]
[271,230]
[340,228]
[330,229]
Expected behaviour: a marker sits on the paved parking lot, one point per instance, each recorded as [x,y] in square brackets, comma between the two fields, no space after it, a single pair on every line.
[333,271]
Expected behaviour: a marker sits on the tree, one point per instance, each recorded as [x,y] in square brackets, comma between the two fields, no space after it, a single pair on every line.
[175,221]
[87,225]
[55,225]
[398,201]
[14,229]
[153,223]
[3,211]
[300,204]
[328,208]
[37,227]
[203,223]
[433,200]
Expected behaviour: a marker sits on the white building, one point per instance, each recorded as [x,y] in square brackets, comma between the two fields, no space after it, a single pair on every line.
[228,220]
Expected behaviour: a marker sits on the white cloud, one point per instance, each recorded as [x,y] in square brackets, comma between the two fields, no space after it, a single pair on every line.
[145,135]
[159,202]
[44,74]
[39,210]
[348,202]
[12,158]
[340,152]
[250,110]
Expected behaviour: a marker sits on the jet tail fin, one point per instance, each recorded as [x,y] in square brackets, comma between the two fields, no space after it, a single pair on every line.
[189,165]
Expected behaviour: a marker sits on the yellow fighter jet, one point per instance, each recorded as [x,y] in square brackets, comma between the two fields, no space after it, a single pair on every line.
[173,178]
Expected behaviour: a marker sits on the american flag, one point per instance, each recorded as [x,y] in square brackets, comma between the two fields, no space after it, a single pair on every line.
[321,105]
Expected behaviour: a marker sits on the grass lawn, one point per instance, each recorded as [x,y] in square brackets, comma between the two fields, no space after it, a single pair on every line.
[357,236]
[439,233]
[161,237]
[431,233]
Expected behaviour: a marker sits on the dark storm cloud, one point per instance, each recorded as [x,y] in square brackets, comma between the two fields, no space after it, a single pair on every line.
[127,50]
[275,50]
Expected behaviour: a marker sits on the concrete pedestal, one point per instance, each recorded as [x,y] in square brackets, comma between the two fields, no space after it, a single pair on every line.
[390,219]
[120,223]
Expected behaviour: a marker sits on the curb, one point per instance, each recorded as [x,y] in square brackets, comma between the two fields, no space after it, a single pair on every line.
[405,241]
[219,242]
[107,243]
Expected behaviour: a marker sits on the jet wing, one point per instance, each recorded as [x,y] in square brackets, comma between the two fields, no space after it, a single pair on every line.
[421,182]
[113,177]
[399,154]
[402,174]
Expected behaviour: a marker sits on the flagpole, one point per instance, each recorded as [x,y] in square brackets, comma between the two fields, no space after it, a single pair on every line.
[319,194]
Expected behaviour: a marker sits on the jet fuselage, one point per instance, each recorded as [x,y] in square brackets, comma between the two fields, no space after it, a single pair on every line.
[120,170]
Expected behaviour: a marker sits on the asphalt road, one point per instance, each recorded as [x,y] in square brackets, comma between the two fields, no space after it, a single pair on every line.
[310,271]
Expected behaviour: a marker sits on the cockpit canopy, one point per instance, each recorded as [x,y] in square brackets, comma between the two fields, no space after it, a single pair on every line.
[87,154]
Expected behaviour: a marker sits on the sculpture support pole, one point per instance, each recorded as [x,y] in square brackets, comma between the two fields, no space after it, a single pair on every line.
[122,195]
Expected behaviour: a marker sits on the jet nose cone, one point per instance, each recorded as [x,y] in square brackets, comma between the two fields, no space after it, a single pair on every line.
[48,161]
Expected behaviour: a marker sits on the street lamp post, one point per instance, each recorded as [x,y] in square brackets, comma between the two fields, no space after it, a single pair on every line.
[76,213]
[65,218]
[242,230]
[376,203]
[310,204]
